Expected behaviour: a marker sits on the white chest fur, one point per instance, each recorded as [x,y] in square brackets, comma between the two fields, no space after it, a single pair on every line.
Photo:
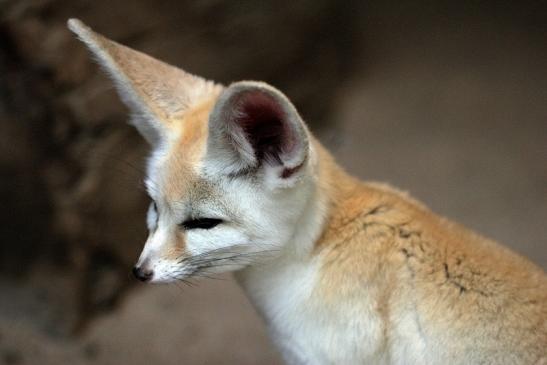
[306,330]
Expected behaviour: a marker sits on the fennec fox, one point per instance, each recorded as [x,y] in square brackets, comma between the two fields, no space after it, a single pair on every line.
[343,272]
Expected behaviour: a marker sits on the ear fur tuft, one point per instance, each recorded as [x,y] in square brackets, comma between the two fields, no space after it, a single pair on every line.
[254,125]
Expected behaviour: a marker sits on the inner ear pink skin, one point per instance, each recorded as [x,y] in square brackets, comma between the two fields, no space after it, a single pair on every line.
[265,125]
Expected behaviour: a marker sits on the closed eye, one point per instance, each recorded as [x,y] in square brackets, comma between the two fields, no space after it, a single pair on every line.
[201,223]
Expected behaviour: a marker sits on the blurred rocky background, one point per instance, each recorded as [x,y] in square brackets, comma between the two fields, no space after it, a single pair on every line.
[446,99]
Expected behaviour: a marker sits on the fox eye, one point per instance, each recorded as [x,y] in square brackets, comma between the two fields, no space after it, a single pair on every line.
[201,223]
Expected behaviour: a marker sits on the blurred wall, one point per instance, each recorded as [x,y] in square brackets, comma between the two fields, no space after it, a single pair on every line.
[445,99]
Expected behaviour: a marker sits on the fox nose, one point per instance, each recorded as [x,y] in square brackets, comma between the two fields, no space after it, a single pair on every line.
[142,274]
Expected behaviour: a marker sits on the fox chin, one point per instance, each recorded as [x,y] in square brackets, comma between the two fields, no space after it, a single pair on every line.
[342,271]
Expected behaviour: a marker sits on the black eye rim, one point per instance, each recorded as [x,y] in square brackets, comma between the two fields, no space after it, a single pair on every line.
[201,223]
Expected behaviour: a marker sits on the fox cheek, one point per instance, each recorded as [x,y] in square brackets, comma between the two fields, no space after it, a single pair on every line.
[177,249]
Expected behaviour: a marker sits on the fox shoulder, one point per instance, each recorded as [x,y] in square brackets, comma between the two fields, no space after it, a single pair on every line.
[384,244]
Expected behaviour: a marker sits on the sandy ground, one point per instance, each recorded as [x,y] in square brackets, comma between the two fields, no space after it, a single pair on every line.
[462,127]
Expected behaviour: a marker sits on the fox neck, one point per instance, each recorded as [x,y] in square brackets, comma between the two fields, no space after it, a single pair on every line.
[330,184]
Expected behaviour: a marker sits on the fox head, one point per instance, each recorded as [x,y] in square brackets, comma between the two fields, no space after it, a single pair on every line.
[231,173]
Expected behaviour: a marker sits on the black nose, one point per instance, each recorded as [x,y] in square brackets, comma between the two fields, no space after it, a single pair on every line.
[142,274]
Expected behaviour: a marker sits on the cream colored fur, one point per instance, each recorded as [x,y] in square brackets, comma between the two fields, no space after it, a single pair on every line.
[343,272]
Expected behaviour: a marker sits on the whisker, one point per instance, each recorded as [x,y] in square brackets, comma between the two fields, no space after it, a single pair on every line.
[204,264]
[206,255]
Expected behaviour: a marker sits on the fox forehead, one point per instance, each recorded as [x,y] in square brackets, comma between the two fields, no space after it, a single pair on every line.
[174,169]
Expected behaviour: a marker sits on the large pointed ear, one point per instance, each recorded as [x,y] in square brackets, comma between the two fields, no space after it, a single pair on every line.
[254,127]
[157,94]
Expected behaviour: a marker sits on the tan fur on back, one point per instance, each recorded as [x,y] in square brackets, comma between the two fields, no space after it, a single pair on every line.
[388,246]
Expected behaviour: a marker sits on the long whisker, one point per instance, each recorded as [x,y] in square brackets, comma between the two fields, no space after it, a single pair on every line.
[210,254]
[203,265]
[223,262]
